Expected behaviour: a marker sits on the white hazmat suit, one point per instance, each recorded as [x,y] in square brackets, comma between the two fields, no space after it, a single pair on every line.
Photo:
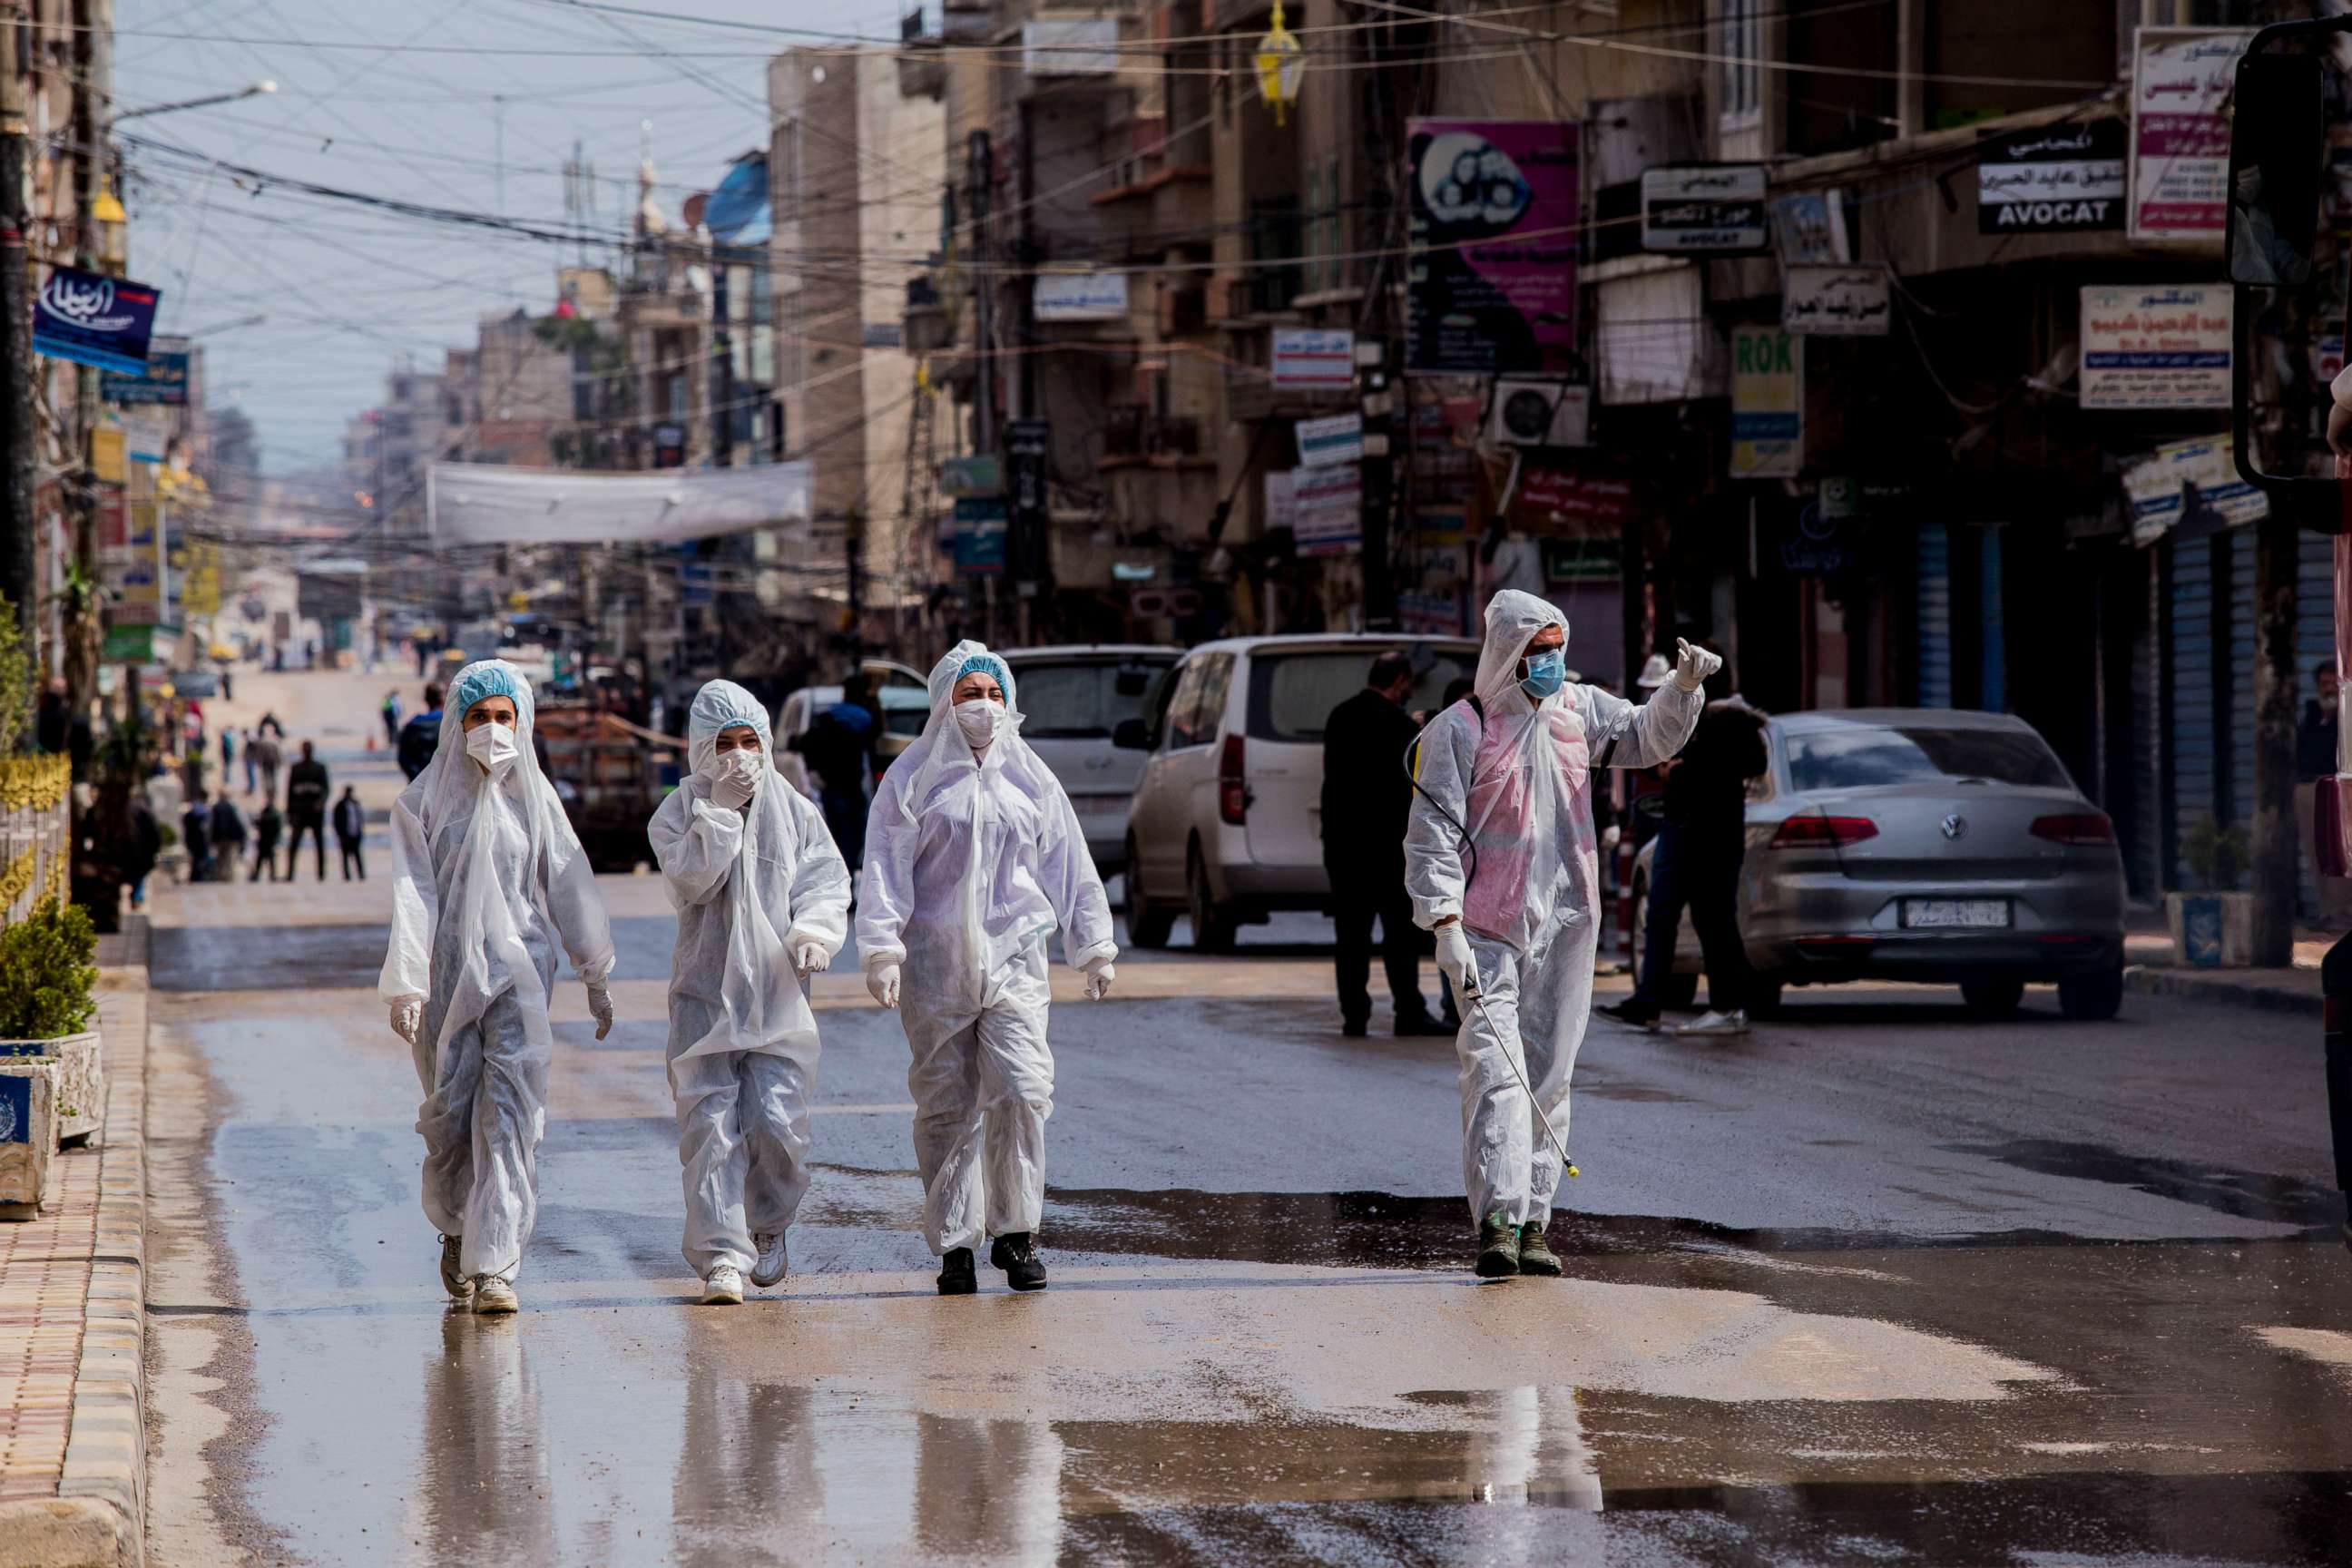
[755,885]
[971,861]
[487,878]
[1520,779]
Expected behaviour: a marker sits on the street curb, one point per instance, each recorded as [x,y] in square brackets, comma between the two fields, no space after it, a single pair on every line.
[2253,993]
[98,1518]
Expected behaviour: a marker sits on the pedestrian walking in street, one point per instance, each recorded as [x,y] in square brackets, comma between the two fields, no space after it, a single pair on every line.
[351,827]
[307,793]
[228,837]
[263,751]
[228,757]
[421,735]
[763,902]
[196,836]
[1701,842]
[973,856]
[839,749]
[392,717]
[268,829]
[488,877]
[142,844]
[1503,866]
[1366,797]
[2315,759]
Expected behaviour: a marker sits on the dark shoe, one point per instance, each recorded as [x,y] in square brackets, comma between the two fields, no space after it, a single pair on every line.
[1419,1023]
[956,1275]
[1353,1028]
[1498,1250]
[1024,1270]
[1535,1256]
[1641,1015]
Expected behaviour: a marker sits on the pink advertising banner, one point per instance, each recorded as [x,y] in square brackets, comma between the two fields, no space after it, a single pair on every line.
[1491,273]
[2181,78]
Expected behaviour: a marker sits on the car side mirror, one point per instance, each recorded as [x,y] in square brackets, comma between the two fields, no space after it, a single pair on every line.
[1131,735]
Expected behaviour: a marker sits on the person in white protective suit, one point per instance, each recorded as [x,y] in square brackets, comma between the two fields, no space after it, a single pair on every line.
[973,856]
[489,877]
[762,901]
[1515,912]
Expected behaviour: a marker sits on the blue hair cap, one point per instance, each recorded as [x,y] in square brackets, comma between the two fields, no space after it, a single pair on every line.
[986,664]
[491,678]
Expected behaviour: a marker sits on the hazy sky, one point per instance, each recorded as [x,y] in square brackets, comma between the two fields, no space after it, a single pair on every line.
[413,113]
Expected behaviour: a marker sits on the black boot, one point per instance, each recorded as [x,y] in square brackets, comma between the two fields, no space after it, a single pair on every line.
[1498,1250]
[956,1276]
[1024,1270]
[1535,1256]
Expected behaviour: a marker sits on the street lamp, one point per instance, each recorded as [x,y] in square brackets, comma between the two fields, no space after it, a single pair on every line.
[1281,64]
[254,90]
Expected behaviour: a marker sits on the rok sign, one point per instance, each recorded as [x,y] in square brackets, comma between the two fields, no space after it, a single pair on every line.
[2054,179]
[94,320]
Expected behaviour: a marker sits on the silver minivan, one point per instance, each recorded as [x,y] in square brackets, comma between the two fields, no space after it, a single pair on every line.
[1226,826]
[1072,699]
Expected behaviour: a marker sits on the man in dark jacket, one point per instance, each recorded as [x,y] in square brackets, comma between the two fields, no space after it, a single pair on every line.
[228,836]
[306,809]
[1366,795]
[421,736]
[1700,845]
[839,750]
[268,825]
[196,838]
[351,827]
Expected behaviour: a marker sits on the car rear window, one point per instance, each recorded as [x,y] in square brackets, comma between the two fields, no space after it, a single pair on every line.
[1083,700]
[904,712]
[1292,694]
[1922,753]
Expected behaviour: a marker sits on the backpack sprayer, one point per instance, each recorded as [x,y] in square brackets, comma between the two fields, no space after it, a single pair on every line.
[1470,992]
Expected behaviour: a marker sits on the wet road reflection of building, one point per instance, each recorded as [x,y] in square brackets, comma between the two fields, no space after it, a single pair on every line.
[487,1493]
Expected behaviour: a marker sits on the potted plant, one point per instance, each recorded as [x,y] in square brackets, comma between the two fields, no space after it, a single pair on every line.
[2213,925]
[48,982]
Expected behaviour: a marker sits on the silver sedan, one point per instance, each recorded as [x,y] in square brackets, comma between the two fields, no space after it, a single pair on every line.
[1924,845]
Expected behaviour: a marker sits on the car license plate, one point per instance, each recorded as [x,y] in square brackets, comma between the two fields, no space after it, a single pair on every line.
[1948,914]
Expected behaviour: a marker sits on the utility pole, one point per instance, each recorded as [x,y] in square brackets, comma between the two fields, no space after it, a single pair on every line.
[2275,841]
[93,27]
[977,169]
[20,563]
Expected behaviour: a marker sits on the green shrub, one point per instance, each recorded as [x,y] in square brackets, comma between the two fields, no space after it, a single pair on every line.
[47,974]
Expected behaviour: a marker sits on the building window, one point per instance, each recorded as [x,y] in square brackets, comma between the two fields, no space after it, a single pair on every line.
[1739,45]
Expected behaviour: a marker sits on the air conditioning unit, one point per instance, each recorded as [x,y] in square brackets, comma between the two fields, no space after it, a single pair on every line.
[1527,413]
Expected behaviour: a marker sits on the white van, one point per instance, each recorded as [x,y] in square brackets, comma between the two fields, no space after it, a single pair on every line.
[1226,826]
[1072,699]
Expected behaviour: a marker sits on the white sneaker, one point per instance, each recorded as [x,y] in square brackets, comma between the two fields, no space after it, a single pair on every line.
[723,1287]
[456,1284]
[1714,1023]
[769,1272]
[494,1296]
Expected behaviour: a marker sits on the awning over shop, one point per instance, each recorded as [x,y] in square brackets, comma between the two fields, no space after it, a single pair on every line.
[476,503]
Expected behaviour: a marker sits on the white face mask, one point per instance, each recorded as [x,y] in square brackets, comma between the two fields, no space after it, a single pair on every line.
[980,720]
[493,746]
[741,763]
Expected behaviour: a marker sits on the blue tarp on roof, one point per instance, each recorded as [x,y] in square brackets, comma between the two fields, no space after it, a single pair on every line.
[738,210]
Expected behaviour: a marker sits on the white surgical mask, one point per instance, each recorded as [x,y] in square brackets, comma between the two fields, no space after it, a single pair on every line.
[980,720]
[493,746]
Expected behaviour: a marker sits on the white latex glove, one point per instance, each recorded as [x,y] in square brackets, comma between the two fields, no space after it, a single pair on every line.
[407,1017]
[882,980]
[1693,665]
[808,958]
[735,783]
[1099,974]
[1454,957]
[1609,836]
[600,1007]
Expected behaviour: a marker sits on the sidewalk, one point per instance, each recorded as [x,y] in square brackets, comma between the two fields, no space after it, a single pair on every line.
[2149,970]
[72,1362]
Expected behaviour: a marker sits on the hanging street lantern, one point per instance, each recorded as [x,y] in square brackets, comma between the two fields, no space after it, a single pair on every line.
[1281,64]
[113,249]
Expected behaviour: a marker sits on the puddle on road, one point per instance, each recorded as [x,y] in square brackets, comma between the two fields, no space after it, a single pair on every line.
[2243,1195]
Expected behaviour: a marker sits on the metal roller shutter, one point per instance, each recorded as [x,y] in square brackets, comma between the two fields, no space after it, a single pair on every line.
[2191,757]
[1934,561]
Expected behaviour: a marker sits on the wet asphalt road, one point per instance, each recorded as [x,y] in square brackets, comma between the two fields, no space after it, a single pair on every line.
[1877,1284]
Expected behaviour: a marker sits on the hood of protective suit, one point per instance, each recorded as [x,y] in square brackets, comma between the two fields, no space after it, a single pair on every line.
[941,748]
[723,705]
[1513,620]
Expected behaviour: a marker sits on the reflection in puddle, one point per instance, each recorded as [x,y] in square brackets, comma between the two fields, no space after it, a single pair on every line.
[487,1493]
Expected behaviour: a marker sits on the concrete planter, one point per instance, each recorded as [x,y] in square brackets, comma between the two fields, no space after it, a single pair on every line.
[28,1133]
[81,1079]
[2211,931]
